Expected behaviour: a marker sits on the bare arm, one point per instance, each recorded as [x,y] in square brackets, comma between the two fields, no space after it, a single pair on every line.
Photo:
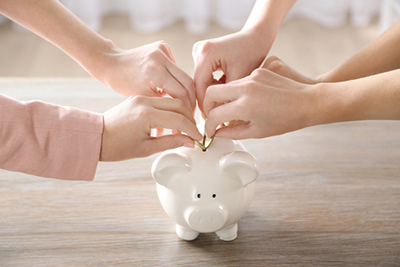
[139,71]
[55,23]
[375,97]
[381,55]
[267,15]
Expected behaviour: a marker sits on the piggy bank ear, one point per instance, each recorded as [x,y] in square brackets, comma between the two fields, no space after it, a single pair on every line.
[240,166]
[168,165]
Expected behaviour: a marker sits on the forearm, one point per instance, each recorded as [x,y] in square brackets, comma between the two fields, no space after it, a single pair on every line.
[267,16]
[50,141]
[376,97]
[381,55]
[53,22]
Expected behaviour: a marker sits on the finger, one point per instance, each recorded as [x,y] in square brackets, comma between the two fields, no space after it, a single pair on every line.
[196,50]
[203,76]
[221,114]
[175,131]
[186,89]
[270,60]
[234,73]
[236,132]
[203,115]
[159,131]
[269,78]
[219,94]
[170,82]
[166,50]
[172,120]
[170,104]
[181,77]
[221,80]
[284,70]
[277,66]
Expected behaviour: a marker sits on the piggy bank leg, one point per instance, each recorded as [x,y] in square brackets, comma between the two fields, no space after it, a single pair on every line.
[186,234]
[229,233]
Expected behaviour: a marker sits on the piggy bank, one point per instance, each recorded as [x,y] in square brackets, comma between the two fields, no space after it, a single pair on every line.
[206,191]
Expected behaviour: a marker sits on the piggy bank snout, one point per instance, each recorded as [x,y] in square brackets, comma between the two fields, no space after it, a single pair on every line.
[206,220]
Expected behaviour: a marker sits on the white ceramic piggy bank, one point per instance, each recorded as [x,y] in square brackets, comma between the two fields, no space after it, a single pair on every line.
[206,191]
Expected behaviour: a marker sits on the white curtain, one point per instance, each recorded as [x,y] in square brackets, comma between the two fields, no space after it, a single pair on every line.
[335,13]
[390,13]
[152,15]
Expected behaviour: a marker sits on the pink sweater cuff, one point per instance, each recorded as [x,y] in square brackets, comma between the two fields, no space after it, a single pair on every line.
[48,140]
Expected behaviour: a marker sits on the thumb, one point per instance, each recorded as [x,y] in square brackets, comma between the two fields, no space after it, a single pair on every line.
[236,132]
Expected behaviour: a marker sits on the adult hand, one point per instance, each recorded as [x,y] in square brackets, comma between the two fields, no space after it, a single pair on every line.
[260,105]
[139,71]
[149,70]
[127,128]
[236,55]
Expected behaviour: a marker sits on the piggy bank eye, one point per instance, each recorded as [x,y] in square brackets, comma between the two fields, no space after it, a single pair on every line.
[214,195]
[198,195]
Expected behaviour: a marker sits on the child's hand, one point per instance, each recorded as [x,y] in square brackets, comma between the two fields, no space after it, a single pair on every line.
[127,127]
[260,105]
[276,65]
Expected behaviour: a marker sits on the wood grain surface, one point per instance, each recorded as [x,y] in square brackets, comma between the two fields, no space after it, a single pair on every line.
[326,196]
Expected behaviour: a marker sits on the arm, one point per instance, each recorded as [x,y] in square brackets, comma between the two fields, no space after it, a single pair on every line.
[139,71]
[267,16]
[48,140]
[380,55]
[375,97]
[66,143]
[238,54]
[266,104]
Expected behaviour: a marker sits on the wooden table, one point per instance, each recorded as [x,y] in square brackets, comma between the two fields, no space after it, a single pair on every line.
[326,196]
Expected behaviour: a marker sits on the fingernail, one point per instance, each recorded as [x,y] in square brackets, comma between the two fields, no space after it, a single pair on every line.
[189,145]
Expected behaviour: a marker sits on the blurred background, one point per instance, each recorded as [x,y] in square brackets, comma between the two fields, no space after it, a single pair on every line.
[315,37]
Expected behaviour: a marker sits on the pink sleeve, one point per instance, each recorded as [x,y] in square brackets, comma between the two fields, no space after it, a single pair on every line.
[48,140]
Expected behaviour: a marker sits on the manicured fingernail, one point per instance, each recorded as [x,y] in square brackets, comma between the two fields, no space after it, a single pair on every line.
[189,145]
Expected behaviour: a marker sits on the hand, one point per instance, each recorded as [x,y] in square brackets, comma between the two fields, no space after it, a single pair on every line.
[139,71]
[260,105]
[276,65]
[149,70]
[127,128]
[237,55]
